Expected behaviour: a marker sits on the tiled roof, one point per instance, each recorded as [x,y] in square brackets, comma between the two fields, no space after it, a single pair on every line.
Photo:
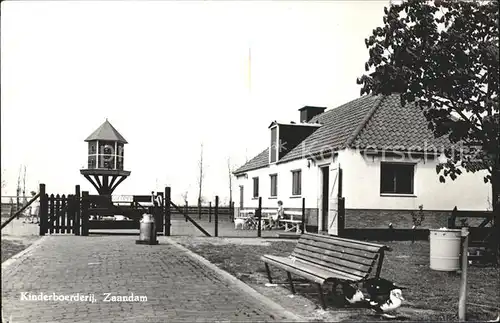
[291,123]
[393,126]
[369,121]
[337,126]
[106,132]
[259,161]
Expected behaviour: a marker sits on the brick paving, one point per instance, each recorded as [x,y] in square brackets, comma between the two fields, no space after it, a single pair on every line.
[177,287]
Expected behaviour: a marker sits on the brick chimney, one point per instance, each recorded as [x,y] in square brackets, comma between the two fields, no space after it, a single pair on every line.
[308,112]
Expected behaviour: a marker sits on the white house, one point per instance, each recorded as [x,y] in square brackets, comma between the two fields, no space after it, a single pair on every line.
[388,158]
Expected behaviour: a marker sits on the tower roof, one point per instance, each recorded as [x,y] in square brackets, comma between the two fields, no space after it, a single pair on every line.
[106,132]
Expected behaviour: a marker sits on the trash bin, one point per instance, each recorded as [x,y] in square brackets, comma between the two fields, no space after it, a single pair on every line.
[147,230]
[445,245]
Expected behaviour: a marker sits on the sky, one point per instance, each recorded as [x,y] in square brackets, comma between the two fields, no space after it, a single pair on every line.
[169,76]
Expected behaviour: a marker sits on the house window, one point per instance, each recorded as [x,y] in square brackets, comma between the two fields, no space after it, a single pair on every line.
[274,136]
[255,187]
[296,182]
[396,178]
[274,185]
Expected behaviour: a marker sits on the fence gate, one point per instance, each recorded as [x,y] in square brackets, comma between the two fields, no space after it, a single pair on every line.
[58,214]
[98,211]
[77,213]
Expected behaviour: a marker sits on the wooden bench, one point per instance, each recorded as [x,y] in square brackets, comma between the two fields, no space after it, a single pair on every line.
[293,222]
[320,259]
[455,213]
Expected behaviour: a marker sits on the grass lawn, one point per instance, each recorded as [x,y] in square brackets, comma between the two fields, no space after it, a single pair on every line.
[12,245]
[431,295]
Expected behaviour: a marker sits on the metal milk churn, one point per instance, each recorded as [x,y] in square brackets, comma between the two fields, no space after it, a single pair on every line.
[147,230]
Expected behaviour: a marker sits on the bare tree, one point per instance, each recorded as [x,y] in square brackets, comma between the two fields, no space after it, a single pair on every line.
[200,175]
[18,189]
[25,200]
[185,196]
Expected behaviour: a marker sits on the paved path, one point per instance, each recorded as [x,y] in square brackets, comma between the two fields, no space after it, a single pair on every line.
[177,287]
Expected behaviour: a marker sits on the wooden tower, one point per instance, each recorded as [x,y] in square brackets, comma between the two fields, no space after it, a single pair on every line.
[105,159]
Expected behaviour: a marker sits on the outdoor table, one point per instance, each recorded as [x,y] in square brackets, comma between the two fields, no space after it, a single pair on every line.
[291,224]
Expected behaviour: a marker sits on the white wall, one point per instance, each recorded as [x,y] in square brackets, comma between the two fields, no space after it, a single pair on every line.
[361,186]
[309,186]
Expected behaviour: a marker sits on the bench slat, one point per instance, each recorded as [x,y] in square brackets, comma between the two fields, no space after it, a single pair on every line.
[336,251]
[335,259]
[331,237]
[319,258]
[285,264]
[342,249]
[314,273]
[344,243]
[322,261]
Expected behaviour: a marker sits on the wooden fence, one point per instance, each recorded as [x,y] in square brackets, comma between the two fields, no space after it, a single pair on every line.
[225,213]
[61,213]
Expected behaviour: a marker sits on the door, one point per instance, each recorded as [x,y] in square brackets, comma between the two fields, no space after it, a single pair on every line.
[325,172]
[333,206]
[241,197]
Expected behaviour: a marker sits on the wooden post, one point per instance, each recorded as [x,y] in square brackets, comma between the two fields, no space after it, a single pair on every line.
[209,211]
[452,219]
[160,212]
[303,215]
[462,301]
[43,210]
[199,209]
[216,216]
[186,211]
[232,211]
[85,213]
[52,214]
[339,194]
[77,205]
[341,217]
[166,229]
[259,218]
